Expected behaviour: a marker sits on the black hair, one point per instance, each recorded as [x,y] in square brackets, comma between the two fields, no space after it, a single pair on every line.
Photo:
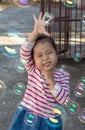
[44,38]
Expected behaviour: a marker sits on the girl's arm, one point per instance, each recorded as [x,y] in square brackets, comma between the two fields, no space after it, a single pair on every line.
[60,90]
[26,48]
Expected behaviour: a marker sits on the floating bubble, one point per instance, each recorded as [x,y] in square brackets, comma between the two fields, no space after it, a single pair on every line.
[19,66]
[60,110]
[83,19]
[9,52]
[48,18]
[54,122]
[30,119]
[23,3]
[80,89]
[69,3]
[81,115]
[13,33]
[63,67]
[19,88]
[83,23]
[83,79]
[73,107]
[67,103]
[77,57]
[2,89]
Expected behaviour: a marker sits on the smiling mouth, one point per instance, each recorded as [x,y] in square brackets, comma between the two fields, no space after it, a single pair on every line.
[47,64]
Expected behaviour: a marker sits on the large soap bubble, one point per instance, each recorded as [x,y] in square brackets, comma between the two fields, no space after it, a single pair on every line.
[69,3]
[23,3]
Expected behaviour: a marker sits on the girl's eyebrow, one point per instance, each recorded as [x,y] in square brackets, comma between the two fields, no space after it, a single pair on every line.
[39,53]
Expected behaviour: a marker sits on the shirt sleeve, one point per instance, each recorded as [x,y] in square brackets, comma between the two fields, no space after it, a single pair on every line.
[26,55]
[61,91]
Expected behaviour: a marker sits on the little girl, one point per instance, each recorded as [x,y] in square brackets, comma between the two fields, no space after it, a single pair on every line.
[47,86]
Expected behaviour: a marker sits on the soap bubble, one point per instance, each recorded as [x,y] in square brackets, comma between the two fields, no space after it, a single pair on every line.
[77,57]
[83,23]
[80,89]
[19,88]
[13,33]
[48,18]
[69,3]
[81,115]
[23,3]
[83,79]
[2,89]
[63,66]
[30,119]
[54,121]
[60,110]
[19,66]
[73,107]
[10,52]
[83,19]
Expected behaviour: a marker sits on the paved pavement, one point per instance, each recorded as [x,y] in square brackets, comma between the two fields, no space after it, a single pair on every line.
[20,20]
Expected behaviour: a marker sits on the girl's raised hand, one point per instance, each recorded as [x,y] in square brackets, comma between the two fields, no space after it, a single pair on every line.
[39,25]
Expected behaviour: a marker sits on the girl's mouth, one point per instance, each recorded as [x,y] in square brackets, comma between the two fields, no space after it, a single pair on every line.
[47,64]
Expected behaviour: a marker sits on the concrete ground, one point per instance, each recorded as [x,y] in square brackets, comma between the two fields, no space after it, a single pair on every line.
[20,20]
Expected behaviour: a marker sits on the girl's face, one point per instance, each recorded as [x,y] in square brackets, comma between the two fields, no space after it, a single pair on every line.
[45,56]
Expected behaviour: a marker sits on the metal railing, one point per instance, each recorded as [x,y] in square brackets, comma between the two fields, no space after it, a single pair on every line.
[67,29]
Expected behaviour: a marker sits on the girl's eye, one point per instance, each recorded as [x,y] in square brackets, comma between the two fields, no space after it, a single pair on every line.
[49,52]
[39,55]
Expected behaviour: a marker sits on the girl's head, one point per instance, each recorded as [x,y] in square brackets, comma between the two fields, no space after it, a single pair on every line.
[44,53]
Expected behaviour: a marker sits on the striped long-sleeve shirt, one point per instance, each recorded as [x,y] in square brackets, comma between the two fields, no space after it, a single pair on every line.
[38,97]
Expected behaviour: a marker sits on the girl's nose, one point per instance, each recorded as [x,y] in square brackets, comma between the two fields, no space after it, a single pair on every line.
[45,57]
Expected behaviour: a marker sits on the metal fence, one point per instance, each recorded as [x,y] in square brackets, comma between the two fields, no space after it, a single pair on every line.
[68,26]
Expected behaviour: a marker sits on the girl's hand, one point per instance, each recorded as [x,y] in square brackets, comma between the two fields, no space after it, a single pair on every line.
[39,26]
[49,78]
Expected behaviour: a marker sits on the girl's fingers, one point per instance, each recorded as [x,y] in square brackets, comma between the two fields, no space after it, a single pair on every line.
[43,17]
[35,19]
[40,16]
[46,33]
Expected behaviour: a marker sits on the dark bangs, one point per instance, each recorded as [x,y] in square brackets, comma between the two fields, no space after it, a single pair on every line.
[44,38]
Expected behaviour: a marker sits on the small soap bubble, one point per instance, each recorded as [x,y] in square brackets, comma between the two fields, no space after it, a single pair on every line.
[73,107]
[19,66]
[83,19]
[2,89]
[83,79]
[64,67]
[77,57]
[30,119]
[19,88]
[23,3]
[48,18]
[69,3]
[79,90]
[81,115]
